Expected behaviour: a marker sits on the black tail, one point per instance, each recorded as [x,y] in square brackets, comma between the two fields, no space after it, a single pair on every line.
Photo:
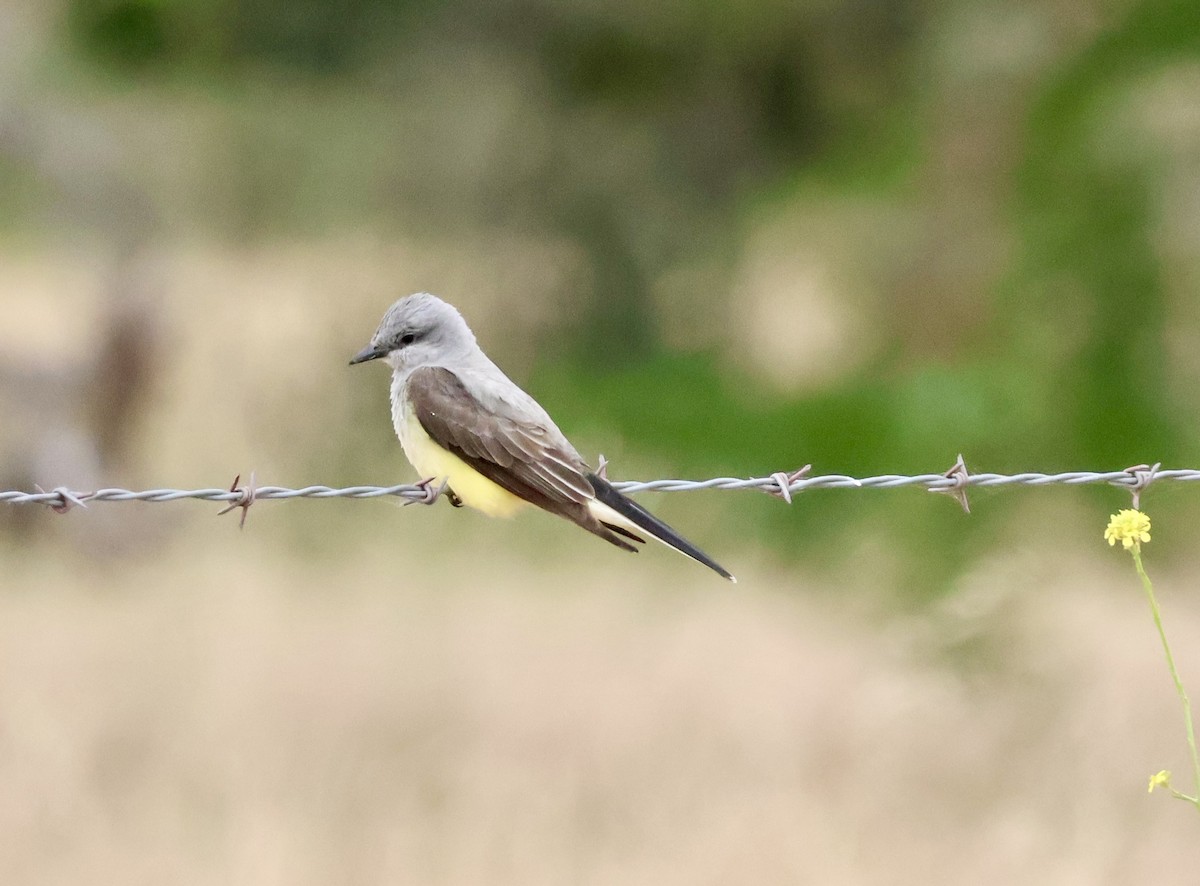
[642,518]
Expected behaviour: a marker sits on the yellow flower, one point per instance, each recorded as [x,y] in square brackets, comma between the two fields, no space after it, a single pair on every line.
[1160,779]
[1129,527]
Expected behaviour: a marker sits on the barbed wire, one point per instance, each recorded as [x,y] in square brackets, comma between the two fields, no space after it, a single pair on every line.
[955,482]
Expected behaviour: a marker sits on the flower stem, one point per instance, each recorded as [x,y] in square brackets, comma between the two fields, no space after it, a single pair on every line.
[1183,698]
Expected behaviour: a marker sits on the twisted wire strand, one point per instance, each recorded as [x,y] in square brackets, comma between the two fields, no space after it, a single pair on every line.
[782,485]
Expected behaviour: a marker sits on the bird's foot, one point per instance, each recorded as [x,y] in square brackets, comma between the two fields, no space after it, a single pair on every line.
[453,496]
[430,492]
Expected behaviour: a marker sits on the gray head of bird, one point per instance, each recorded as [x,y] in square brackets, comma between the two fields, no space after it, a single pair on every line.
[419,330]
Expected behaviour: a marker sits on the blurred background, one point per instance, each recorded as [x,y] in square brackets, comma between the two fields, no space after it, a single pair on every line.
[713,239]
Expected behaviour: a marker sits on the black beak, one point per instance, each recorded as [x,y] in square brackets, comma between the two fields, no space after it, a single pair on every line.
[370,352]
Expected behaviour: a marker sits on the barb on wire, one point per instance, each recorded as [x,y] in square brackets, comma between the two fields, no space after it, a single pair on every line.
[954,482]
[247,496]
[1143,476]
[784,481]
[60,499]
[961,477]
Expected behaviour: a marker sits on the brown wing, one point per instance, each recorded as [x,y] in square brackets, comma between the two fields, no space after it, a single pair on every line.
[522,457]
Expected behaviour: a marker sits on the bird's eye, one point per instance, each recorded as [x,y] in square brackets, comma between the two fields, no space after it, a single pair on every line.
[407,339]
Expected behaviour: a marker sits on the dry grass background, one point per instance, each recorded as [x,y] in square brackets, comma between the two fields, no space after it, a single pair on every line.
[349,692]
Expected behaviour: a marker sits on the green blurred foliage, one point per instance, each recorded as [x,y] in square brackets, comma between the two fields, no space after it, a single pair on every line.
[1087,221]
[307,36]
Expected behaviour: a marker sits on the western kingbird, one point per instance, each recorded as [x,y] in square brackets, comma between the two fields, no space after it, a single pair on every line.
[464,423]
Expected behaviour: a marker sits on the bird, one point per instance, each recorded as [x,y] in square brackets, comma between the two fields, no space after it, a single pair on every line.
[476,436]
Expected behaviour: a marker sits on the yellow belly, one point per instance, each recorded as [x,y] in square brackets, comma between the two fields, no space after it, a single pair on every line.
[472,488]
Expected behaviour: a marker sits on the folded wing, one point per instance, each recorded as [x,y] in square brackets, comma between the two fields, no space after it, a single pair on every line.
[522,456]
